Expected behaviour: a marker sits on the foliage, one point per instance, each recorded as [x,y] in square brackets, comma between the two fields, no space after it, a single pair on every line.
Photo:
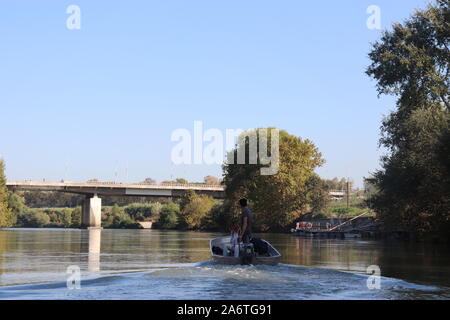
[169,216]
[144,211]
[116,218]
[370,191]
[186,198]
[55,217]
[16,203]
[194,209]
[149,181]
[214,220]
[155,210]
[277,200]
[7,216]
[338,184]
[123,221]
[343,211]
[33,219]
[211,180]
[412,62]
[40,199]
[66,217]
[181,181]
[76,217]
[318,193]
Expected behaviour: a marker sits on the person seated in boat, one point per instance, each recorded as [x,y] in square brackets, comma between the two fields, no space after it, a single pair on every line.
[246,222]
[234,238]
[234,234]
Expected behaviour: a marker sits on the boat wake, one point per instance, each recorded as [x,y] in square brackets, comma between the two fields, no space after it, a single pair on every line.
[207,280]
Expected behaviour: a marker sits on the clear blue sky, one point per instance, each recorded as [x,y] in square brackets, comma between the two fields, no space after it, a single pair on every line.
[101,102]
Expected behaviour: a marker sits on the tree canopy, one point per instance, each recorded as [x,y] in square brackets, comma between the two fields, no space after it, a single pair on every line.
[411,61]
[7,217]
[194,208]
[278,199]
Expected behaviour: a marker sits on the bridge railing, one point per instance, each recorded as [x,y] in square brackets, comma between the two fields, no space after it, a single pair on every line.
[181,185]
[116,184]
[198,186]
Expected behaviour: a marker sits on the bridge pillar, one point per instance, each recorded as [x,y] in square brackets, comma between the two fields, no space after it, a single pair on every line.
[91,213]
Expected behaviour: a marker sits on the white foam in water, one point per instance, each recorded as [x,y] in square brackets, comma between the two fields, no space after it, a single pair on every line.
[205,280]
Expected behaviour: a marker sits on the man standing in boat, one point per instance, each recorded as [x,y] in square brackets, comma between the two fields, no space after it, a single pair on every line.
[246,222]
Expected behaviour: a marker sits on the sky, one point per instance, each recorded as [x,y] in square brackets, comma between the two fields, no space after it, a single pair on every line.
[102,101]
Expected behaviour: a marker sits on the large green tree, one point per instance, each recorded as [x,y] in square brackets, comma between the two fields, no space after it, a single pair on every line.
[411,61]
[194,209]
[279,199]
[7,217]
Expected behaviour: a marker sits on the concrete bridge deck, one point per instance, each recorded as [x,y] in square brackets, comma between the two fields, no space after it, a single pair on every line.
[91,208]
[92,205]
[118,189]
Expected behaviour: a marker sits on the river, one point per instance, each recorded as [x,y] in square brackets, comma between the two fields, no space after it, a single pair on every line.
[153,264]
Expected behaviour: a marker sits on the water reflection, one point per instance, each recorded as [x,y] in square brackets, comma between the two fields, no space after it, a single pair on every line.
[40,255]
[90,243]
[417,262]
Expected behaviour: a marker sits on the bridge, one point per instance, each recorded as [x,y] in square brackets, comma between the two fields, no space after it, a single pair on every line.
[92,204]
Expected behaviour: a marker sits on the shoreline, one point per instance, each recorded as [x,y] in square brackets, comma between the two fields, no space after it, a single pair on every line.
[395,236]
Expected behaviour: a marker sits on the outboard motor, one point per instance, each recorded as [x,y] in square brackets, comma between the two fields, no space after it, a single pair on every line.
[247,253]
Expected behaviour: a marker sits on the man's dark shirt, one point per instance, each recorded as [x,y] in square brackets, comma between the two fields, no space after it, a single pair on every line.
[247,213]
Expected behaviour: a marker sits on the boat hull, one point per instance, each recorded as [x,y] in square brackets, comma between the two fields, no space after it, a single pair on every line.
[273,259]
[237,261]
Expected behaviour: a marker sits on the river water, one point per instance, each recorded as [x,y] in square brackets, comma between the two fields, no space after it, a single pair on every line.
[153,264]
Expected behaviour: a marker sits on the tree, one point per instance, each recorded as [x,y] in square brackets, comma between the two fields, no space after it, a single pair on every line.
[318,193]
[45,199]
[169,216]
[34,219]
[144,211]
[186,198]
[139,211]
[66,217]
[181,181]
[338,184]
[277,200]
[39,219]
[211,180]
[370,190]
[149,181]
[16,204]
[76,217]
[156,210]
[7,217]
[119,219]
[215,219]
[412,62]
[194,209]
